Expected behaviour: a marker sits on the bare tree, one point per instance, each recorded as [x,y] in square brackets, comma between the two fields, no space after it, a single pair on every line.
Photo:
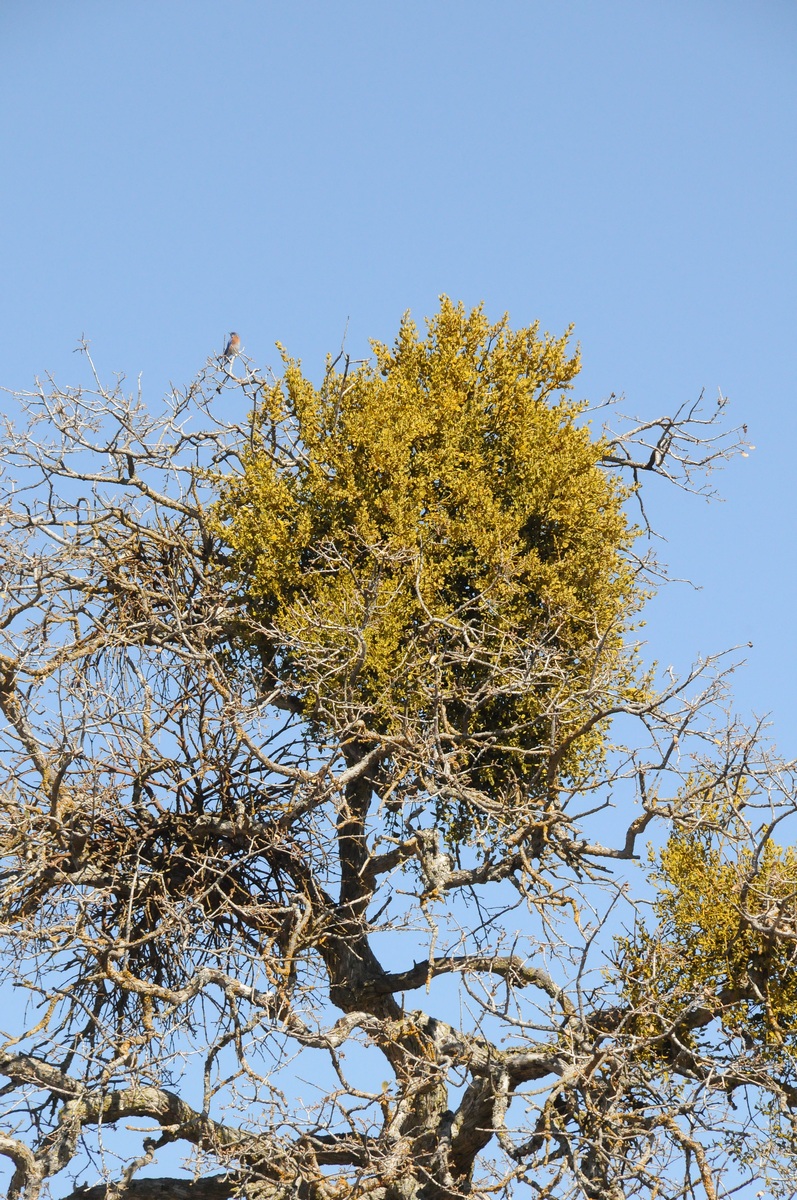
[333,952]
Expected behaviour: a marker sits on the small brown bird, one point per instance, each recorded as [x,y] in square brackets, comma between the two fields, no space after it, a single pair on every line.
[232,348]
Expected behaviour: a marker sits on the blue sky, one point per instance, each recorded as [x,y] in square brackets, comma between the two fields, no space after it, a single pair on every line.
[176,169]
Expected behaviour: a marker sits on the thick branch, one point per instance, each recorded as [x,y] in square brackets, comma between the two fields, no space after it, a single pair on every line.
[217,1187]
[511,968]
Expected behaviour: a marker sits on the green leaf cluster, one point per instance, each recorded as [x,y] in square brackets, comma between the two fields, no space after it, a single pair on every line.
[432,543]
[727,937]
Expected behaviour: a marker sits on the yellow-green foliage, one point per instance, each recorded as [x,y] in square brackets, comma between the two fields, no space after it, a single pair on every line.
[728,921]
[431,537]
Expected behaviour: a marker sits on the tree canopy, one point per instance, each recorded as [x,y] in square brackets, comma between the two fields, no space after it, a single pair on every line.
[329,753]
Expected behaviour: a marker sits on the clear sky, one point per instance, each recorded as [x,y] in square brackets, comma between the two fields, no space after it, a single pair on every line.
[174,169]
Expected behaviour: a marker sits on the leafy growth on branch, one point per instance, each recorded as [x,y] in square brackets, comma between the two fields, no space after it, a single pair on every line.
[433,536]
[727,931]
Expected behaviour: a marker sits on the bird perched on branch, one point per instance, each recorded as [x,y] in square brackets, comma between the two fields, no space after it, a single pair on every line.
[228,356]
[232,348]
